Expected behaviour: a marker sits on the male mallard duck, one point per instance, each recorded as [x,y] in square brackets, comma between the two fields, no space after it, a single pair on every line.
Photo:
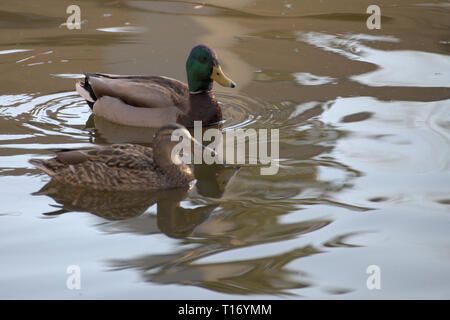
[152,101]
[122,167]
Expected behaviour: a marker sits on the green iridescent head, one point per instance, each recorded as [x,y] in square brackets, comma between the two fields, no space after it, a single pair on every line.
[202,67]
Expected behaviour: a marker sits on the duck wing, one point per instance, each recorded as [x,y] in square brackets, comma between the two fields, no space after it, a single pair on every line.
[135,90]
[97,159]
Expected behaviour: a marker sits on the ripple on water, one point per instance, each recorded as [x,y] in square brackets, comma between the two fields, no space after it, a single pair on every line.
[241,111]
[31,123]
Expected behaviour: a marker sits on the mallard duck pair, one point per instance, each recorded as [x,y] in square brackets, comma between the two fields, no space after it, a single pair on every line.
[146,101]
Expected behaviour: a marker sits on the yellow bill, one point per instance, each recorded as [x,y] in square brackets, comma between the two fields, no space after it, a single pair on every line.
[220,77]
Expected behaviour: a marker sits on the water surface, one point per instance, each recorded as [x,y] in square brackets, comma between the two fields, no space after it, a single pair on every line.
[364,119]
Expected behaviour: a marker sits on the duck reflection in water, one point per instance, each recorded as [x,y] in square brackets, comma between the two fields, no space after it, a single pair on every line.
[185,213]
[125,210]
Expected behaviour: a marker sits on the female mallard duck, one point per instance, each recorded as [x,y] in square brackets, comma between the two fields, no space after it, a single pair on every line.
[152,101]
[123,167]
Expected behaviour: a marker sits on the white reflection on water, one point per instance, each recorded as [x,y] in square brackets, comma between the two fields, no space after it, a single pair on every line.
[12,99]
[400,136]
[14,51]
[406,68]
[123,29]
[68,75]
[308,79]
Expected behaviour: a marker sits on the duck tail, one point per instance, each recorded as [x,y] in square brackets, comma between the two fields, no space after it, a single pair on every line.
[42,165]
[85,90]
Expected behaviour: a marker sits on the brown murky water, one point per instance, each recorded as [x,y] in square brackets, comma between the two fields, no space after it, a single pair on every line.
[364,119]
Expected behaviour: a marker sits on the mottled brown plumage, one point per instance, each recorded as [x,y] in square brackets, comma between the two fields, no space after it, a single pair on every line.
[121,167]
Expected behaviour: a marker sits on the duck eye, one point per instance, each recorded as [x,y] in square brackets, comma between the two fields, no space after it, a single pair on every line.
[218,73]
[202,59]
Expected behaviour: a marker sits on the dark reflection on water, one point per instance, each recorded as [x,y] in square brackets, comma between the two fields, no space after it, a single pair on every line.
[216,221]
[172,219]
[246,217]
[125,211]
[268,275]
